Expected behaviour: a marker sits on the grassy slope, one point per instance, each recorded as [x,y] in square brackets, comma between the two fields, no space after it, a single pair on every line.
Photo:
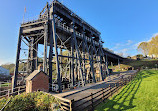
[136,64]
[142,63]
[139,95]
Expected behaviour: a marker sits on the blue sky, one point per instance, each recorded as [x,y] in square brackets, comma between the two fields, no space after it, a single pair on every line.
[122,23]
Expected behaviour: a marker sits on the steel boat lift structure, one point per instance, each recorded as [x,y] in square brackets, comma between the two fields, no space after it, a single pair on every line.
[58,29]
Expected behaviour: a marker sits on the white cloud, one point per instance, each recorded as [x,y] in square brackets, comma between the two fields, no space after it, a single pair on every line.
[117,45]
[129,48]
[129,42]
[124,51]
[121,45]
[155,34]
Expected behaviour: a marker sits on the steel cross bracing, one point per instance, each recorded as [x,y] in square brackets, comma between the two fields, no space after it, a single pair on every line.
[58,30]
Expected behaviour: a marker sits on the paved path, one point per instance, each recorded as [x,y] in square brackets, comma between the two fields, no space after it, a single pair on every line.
[93,87]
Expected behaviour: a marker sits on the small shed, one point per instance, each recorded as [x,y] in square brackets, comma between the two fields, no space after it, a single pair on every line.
[37,81]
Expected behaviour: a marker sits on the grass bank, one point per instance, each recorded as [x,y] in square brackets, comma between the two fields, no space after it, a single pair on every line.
[141,94]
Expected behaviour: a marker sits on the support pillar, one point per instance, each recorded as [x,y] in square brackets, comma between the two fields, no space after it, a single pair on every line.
[45,47]
[50,55]
[119,63]
[83,53]
[107,65]
[103,56]
[92,65]
[100,66]
[61,53]
[17,61]
[78,55]
[56,53]
[72,61]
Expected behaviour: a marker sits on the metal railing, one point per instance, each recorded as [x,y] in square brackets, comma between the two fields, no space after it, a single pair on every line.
[68,29]
[78,84]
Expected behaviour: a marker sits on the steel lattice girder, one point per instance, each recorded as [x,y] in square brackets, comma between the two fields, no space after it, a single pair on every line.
[59,28]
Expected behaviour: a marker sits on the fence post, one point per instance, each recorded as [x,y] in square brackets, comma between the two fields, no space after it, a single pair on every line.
[92,101]
[110,90]
[8,93]
[71,104]
[103,94]
[116,84]
[18,90]
[132,77]
[8,83]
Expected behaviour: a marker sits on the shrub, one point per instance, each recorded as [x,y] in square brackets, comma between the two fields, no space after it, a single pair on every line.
[37,101]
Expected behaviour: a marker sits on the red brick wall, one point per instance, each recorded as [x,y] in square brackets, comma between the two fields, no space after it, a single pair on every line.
[40,82]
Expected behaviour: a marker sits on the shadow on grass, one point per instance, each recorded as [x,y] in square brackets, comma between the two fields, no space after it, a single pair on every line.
[127,94]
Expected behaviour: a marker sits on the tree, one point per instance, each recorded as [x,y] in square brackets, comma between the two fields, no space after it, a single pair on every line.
[144,48]
[140,56]
[153,46]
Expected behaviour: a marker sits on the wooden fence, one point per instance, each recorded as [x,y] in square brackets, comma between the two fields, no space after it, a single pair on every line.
[8,92]
[91,101]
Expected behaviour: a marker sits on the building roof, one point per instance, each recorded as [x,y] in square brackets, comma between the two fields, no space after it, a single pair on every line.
[33,74]
[4,71]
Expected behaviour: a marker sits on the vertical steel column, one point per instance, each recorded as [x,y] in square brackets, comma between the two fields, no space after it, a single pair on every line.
[83,53]
[107,64]
[76,66]
[100,60]
[56,52]
[61,53]
[100,65]
[29,58]
[69,68]
[50,55]
[17,61]
[103,56]
[72,61]
[45,47]
[91,53]
[33,52]
[119,63]
[78,55]
[89,59]
[36,56]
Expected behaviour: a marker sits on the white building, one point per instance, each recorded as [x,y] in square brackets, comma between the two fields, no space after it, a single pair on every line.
[4,71]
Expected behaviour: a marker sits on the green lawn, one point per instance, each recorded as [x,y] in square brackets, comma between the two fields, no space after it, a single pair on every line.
[141,94]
